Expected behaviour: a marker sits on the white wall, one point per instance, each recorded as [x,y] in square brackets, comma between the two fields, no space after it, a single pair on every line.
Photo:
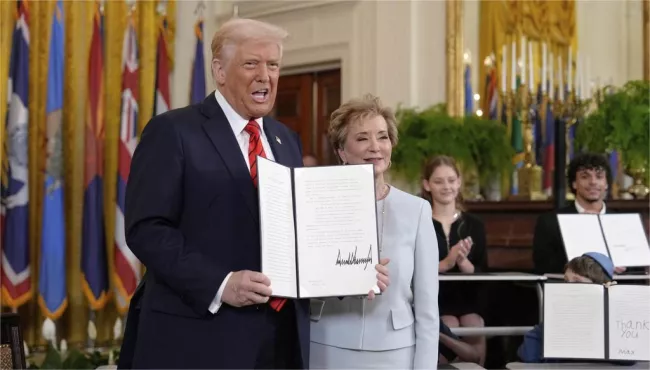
[634,21]
[610,35]
[395,49]
[185,48]
[471,19]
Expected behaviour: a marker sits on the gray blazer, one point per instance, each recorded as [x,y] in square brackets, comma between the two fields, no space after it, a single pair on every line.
[406,313]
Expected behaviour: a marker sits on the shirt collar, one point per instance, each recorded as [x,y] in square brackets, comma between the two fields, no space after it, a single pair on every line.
[580,209]
[237,122]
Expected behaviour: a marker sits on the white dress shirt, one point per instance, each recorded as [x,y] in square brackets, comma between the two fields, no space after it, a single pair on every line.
[581,209]
[238,123]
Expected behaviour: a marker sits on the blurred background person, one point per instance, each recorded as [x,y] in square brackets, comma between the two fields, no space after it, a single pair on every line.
[461,245]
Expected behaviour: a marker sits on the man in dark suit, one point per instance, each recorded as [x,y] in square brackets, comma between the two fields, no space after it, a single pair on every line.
[589,176]
[192,219]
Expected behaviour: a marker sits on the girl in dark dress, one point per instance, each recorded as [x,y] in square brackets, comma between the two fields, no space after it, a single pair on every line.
[461,243]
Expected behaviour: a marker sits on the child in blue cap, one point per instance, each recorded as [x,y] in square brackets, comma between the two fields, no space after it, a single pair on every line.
[592,267]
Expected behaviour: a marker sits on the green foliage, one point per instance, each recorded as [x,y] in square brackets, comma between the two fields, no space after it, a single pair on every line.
[473,142]
[490,147]
[74,359]
[620,122]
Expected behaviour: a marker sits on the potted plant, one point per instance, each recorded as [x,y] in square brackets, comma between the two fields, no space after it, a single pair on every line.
[423,134]
[491,151]
[620,122]
[480,146]
[61,357]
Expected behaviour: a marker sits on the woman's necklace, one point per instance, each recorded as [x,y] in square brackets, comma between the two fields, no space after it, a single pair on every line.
[383,218]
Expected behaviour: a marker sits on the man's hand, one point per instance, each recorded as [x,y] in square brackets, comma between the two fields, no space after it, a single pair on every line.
[245,288]
[382,277]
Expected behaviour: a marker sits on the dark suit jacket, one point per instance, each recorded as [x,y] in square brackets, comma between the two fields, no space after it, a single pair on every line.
[191,218]
[549,256]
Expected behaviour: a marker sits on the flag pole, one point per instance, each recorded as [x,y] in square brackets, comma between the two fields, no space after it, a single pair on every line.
[91,331]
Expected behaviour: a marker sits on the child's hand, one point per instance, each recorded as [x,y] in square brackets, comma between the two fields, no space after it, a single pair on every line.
[463,248]
[610,283]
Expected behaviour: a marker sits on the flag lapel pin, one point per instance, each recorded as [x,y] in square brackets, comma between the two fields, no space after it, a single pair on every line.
[278,140]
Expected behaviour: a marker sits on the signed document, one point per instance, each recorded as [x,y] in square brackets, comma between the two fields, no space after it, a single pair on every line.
[619,236]
[593,322]
[318,229]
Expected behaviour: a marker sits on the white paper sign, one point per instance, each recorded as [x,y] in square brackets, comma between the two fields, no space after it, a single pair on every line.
[629,322]
[581,234]
[318,229]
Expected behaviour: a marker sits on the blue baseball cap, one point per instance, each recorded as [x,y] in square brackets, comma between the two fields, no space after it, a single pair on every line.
[604,262]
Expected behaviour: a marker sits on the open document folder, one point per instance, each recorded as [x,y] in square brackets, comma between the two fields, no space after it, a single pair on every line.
[318,229]
[619,236]
[594,322]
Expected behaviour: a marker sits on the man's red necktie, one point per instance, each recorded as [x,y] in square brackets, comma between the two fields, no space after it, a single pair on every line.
[255,148]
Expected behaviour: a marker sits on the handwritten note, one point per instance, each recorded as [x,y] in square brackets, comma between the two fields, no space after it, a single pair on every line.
[574,324]
[629,322]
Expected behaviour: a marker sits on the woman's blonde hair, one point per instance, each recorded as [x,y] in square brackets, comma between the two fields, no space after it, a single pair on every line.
[355,110]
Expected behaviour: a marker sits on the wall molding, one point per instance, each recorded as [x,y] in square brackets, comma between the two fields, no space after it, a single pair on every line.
[259,9]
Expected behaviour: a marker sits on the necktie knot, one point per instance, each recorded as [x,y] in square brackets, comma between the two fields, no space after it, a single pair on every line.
[253,128]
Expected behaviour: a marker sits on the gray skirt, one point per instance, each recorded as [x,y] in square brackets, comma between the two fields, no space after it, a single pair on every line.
[328,357]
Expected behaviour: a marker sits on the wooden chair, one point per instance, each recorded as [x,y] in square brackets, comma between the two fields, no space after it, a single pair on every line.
[12,352]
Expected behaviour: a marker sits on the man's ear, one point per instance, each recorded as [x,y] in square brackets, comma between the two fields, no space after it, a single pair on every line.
[219,71]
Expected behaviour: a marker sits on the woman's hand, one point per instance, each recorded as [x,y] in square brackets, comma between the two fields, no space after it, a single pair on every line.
[382,277]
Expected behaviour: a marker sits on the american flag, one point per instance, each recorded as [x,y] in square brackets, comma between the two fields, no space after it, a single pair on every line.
[126,273]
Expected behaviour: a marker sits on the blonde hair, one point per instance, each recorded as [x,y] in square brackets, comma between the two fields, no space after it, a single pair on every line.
[237,31]
[355,110]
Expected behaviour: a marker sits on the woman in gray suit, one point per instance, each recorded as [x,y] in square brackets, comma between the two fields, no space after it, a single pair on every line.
[399,329]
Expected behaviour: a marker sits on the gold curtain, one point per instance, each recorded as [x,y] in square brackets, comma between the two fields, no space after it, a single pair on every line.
[78,20]
[502,22]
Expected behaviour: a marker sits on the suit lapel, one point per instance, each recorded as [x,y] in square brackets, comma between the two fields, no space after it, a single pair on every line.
[278,142]
[220,133]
